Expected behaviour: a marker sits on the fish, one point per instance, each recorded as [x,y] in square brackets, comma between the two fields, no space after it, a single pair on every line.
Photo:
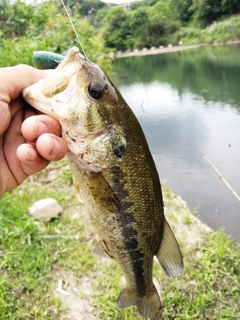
[115,175]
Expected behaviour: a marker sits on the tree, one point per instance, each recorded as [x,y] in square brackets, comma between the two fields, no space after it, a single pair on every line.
[163,22]
[14,17]
[206,11]
[181,9]
[117,30]
[88,7]
[230,7]
[140,25]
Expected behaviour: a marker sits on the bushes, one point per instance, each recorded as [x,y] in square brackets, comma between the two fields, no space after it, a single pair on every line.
[48,29]
[218,32]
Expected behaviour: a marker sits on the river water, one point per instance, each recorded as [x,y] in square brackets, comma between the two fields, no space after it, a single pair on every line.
[188,104]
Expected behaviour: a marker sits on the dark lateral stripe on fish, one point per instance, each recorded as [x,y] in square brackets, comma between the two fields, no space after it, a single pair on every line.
[127,221]
[136,256]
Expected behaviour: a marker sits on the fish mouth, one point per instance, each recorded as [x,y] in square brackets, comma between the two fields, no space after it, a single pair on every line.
[73,55]
[47,94]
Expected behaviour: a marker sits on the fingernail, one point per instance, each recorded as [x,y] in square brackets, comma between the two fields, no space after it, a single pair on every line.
[31,154]
[41,128]
[28,155]
[54,146]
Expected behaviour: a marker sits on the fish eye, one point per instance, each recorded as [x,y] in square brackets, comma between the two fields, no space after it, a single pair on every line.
[96,90]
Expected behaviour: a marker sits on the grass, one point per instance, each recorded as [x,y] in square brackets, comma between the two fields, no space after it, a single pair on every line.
[33,256]
[209,287]
[25,266]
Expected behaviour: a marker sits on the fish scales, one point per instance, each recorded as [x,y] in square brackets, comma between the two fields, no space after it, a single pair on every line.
[114,172]
[129,228]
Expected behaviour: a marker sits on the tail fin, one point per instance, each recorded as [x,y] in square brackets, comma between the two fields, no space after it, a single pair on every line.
[149,306]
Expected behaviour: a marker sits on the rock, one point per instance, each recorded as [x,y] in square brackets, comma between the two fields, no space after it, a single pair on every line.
[45,209]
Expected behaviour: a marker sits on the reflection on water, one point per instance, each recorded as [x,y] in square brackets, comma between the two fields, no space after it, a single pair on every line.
[188,104]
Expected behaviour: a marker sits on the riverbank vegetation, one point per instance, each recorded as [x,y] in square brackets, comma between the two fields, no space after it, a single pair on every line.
[156,23]
[47,270]
[106,27]
[25,28]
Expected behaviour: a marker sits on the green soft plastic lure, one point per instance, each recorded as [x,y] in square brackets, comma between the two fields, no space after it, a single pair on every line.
[46,59]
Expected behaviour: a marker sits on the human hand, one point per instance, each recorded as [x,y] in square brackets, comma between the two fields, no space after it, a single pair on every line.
[28,140]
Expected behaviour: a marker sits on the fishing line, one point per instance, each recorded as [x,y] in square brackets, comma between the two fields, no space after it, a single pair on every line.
[81,45]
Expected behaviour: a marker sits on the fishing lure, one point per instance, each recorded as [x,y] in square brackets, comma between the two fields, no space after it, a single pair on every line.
[46,59]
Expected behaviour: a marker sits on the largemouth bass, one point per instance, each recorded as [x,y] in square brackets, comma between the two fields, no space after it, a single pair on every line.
[114,172]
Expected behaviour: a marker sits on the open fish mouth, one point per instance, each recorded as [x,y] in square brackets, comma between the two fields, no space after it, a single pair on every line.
[50,93]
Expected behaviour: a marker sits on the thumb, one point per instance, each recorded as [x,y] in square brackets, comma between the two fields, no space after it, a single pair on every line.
[16,79]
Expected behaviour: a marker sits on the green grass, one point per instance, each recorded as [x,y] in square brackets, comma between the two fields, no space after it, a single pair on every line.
[32,256]
[209,287]
[25,265]
[29,255]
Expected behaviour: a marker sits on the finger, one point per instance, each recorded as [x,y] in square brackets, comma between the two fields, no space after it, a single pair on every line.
[34,126]
[5,117]
[30,160]
[51,147]
[15,80]
[11,140]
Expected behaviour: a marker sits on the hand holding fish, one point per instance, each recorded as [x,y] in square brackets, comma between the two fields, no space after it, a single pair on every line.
[28,140]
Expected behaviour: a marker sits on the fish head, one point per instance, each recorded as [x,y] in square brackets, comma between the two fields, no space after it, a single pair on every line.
[80,96]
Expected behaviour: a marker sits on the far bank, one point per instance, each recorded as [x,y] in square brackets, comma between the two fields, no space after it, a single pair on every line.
[168,49]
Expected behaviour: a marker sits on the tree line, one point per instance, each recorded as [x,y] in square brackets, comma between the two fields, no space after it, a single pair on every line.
[105,27]
[155,22]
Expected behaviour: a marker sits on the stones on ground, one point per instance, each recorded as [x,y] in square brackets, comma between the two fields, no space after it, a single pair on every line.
[45,209]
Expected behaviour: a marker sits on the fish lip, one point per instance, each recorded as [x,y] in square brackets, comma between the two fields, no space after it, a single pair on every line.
[48,110]
[72,54]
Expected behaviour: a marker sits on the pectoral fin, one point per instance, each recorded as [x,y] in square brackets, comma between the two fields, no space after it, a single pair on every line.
[100,248]
[78,189]
[102,193]
[169,254]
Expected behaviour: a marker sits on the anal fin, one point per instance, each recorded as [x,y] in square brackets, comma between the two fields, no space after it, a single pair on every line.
[169,254]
